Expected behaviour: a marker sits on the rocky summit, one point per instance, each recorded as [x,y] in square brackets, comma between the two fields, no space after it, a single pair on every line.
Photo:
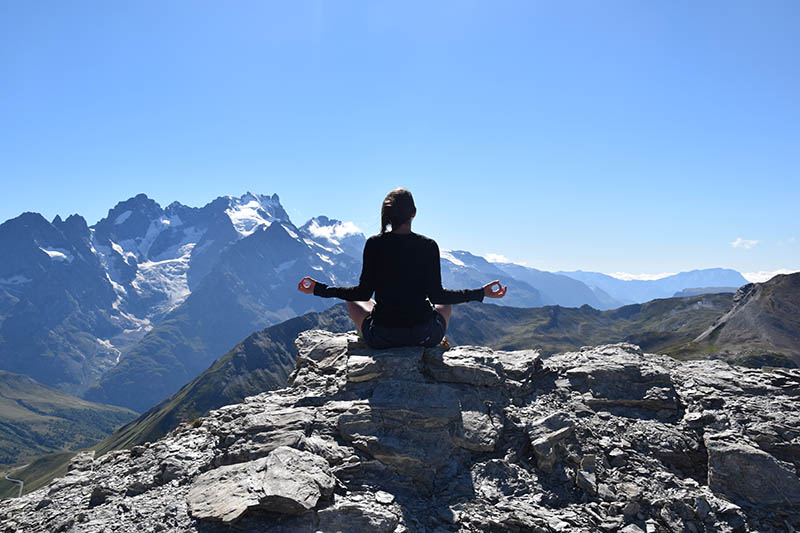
[464,439]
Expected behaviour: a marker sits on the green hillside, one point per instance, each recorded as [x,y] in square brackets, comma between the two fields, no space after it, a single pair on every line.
[663,326]
[36,420]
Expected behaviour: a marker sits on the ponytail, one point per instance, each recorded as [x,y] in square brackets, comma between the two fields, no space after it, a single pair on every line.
[397,209]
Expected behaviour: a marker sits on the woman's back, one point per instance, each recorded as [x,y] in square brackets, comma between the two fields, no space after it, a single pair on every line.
[405,267]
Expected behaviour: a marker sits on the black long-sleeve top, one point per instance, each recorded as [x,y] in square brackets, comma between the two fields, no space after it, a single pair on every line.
[404,272]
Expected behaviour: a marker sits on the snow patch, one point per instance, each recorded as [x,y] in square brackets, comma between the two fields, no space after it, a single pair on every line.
[58,254]
[291,233]
[445,254]
[285,265]
[325,258]
[191,235]
[167,277]
[249,213]
[17,279]
[123,217]
[106,344]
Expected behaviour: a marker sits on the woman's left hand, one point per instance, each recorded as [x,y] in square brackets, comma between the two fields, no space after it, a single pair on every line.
[494,290]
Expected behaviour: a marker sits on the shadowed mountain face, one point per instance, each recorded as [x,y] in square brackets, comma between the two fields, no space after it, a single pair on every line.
[55,301]
[252,286]
[261,362]
[762,327]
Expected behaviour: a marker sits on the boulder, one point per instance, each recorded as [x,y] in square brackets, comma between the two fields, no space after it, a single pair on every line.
[286,481]
[743,472]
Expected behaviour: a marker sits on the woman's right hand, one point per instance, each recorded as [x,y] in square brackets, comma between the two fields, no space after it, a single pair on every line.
[306,285]
[494,290]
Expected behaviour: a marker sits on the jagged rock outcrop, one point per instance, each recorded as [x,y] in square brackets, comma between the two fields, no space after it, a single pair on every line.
[465,439]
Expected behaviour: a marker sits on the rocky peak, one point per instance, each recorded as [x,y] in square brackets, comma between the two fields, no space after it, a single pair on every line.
[761,325]
[470,439]
[335,235]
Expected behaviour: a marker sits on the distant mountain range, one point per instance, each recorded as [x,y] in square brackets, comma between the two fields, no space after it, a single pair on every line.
[130,309]
[639,291]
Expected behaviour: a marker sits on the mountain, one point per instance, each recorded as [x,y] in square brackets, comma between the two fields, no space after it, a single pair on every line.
[253,285]
[35,420]
[558,289]
[130,309]
[119,288]
[662,326]
[694,291]
[262,361]
[762,326]
[339,236]
[463,270]
[640,291]
[56,303]
[608,438]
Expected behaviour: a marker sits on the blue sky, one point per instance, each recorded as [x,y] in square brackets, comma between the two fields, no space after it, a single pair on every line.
[641,137]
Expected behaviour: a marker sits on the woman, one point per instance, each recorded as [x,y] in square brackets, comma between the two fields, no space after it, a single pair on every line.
[402,268]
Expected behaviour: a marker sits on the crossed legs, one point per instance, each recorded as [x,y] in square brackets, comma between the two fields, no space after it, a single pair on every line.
[445,310]
[359,311]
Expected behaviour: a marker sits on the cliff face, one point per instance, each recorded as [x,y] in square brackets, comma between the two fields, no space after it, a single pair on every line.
[468,439]
[762,326]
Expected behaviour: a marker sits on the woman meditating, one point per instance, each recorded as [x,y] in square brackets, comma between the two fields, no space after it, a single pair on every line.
[402,268]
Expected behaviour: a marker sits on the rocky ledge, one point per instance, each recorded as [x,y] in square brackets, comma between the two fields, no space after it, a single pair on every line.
[465,439]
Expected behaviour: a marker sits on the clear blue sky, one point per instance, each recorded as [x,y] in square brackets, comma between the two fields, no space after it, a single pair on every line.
[610,136]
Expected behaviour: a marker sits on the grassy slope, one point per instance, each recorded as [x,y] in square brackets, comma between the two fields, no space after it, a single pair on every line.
[36,475]
[36,419]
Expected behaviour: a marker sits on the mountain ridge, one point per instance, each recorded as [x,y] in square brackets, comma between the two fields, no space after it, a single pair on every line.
[160,293]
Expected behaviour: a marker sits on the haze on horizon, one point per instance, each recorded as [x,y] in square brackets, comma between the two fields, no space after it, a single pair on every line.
[626,138]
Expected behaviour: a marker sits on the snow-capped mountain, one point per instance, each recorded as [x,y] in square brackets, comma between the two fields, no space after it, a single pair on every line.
[128,310]
[74,299]
[342,237]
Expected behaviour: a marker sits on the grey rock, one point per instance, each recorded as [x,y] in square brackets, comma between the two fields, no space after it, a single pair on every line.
[631,528]
[469,439]
[286,481]
[100,495]
[545,434]
[384,497]
[227,492]
[473,366]
[357,516]
[586,477]
[477,431]
[744,472]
